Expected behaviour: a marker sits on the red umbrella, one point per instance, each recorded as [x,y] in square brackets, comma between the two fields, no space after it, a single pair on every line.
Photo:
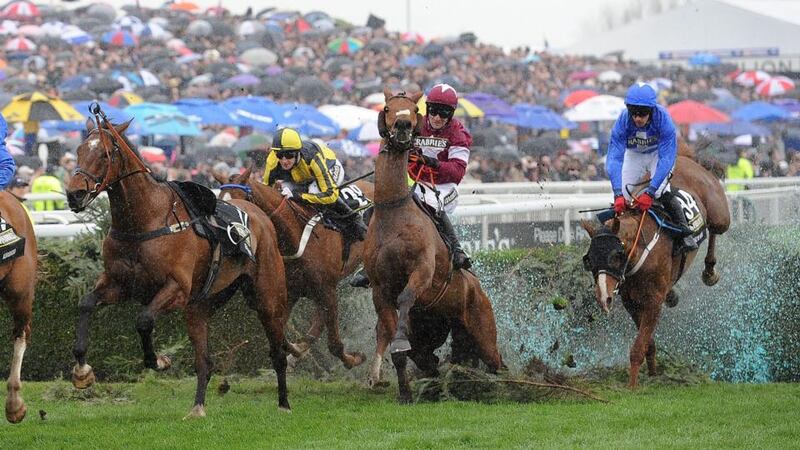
[690,111]
[576,97]
[774,86]
[751,77]
[20,10]
[582,75]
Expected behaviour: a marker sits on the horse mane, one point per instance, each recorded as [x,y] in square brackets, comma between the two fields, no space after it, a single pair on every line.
[684,149]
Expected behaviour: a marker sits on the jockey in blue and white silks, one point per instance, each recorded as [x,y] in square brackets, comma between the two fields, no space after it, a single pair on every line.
[644,140]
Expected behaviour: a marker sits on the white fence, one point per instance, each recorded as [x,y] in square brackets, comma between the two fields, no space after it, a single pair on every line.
[768,200]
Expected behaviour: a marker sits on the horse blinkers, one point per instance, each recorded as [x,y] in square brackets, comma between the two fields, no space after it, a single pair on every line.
[606,255]
[403,129]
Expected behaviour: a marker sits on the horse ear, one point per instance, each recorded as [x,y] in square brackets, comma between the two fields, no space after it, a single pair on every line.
[123,126]
[387,93]
[383,130]
[588,227]
[416,96]
[90,125]
[245,177]
[418,128]
[615,225]
[220,179]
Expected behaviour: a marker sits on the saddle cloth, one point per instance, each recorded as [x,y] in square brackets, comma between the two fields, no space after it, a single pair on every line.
[11,245]
[218,221]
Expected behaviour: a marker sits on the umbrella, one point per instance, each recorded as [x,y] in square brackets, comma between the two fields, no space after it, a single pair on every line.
[539,118]
[762,111]
[102,11]
[349,116]
[157,118]
[751,77]
[256,112]
[379,44]
[244,79]
[152,154]
[660,84]
[120,38]
[690,111]
[128,23]
[122,99]
[259,56]
[465,108]
[250,27]
[30,30]
[412,38]
[432,50]
[79,94]
[733,128]
[311,88]
[366,132]
[75,36]
[20,44]
[790,105]
[20,10]
[115,114]
[38,107]
[185,6]
[74,82]
[345,46]
[315,16]
[305,119]
[582,75]
[199,27]
[491,105]
[576,97]
[253,141]
[348,148]
[207,112]
[774,86]
[153,30]
[609,76]
[596,109]
[414,61]
[272,87]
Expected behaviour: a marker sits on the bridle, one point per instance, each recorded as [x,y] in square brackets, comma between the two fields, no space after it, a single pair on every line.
[112,143]
[390,134]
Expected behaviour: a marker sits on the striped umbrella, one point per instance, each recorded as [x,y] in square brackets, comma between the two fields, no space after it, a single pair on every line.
[774,86]
[38,107]
[120,38]
[128,23]
[20,44]
[20,10]
[751,77]
[412,37]
[345,46]
[75,36]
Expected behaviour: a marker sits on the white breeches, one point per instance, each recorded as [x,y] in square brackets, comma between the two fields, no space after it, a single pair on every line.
[634,166]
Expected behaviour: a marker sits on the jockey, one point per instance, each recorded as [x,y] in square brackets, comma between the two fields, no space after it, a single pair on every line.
[442,154]
[7,165]
[310,173]
[643,139]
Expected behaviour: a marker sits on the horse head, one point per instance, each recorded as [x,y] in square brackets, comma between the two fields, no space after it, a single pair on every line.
[102,162]
[400,120]
[606,260]
[236,186]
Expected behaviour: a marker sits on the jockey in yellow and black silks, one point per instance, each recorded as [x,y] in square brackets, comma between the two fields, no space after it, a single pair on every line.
[310,173]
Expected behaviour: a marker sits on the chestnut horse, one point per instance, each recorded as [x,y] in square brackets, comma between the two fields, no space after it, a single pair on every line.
[18,280]
[409,267]
[168,271]
[317,271]
[644,270]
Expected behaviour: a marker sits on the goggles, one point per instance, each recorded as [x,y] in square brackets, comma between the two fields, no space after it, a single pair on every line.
[639,111]
[286,154]
[443,111]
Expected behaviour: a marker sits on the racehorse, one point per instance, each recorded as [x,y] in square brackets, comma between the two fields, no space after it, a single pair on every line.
[626,255]
[314,263]
[151,255]
[410,270]
[18,281]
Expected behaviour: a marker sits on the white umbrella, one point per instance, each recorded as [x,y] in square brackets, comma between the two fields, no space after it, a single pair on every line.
[374,99]
[259,56]
[349,117]
[596,109]
[249,27]
[609,76]
[366,132]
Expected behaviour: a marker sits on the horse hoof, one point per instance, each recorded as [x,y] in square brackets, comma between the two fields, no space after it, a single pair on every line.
[82,377]
[15,410]
[672,298]
[163,362]
[354,360]
[404,399]
[197,412]
[400,345]
[710,279]
[284,409]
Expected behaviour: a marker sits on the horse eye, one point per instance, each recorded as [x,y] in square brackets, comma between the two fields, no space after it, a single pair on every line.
[386,109]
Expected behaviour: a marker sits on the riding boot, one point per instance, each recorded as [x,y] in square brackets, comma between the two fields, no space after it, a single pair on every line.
[355,224]
[460,258]
[675,210]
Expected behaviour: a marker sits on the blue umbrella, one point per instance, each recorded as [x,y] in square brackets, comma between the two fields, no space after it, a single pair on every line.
[761,111]
[116,115]
[538,117]
[207,112]
[256,112]
[414,61]
[491,105]
[160,118]
[74,83]
[791,105]
[306,120]
[733,128]
[349,148]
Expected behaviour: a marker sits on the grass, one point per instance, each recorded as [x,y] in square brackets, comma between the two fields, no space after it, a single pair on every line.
[347,415]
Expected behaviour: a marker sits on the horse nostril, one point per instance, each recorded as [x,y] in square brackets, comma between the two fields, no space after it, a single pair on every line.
[402,125]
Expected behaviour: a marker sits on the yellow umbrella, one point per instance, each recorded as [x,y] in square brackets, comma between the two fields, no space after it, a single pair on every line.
[465,108]
[37,107]
[122,99]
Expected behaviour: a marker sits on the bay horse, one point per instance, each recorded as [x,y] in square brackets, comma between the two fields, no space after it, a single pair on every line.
[644,269]
[18,281]
[314,268]
[409,267]
[152,255]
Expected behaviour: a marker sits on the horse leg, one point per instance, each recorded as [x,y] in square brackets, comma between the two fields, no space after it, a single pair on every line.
[646,320]
[384,330]
[711,276]
[82,373]
[418,282]
[480,325]
[146,322]
[330,307]
[21,311]
[650,356]
[197,328]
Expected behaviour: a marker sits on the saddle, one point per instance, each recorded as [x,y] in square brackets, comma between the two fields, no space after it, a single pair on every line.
[11,245]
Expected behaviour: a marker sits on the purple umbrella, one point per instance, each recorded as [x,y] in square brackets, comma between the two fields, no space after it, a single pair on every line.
[243,79]
[491,105]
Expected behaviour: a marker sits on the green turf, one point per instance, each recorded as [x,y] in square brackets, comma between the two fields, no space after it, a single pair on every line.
[346,415]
